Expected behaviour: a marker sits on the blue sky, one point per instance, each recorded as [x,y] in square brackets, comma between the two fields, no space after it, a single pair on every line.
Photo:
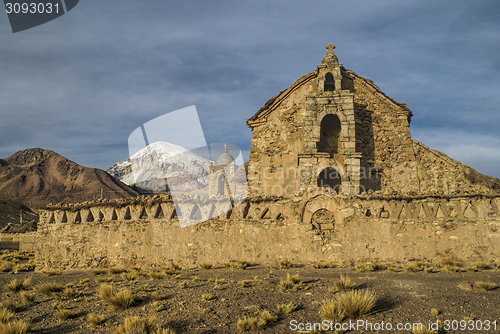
[79,85]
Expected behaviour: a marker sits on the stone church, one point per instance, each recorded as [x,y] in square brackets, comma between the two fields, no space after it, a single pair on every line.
[331,133]
[333,128]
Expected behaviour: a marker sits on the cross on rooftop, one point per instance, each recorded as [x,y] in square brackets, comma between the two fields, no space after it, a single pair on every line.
[330,47]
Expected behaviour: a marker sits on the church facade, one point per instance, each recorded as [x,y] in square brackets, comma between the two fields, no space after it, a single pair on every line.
[333,128]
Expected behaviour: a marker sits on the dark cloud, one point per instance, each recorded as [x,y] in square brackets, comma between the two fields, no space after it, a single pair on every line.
[82,83]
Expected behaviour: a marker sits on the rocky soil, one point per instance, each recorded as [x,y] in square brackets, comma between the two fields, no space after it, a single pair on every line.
[183,304]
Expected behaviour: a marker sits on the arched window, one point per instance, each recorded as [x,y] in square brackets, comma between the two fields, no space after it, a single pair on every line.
[329,177]
[329,135]
[221,184]
[329,83]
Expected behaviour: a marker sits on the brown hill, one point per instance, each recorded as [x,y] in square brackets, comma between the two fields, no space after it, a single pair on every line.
[32,178]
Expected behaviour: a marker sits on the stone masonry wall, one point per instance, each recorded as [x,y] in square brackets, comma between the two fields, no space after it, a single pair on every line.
[265,230]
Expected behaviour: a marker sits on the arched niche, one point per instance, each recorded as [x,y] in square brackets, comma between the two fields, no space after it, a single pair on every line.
[221,183]
[330,177]
[329,85]
[330,135]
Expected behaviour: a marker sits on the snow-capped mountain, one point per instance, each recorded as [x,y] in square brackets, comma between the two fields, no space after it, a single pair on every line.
[159,162]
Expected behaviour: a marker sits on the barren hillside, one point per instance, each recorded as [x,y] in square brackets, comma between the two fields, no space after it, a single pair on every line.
[32,178]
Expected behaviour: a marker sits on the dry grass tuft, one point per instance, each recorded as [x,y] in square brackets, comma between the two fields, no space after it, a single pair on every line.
[105,279]
[206,265]
[486,286]
[118,300]
[156,275]
[294,279]
[155,306]
[451,268]
[95,319]
[356,303]
[352,304]
[117,271]
[320,265]
[237,265]
[481,266]
[369,266]
[49,288]
[106,291]
[16,327]
[284,264]
[84,281]
[343,284]
[5,315]
[175,266]
[137,325]
[70,293]
[9,305]
[392,269]
[207,296]
[434,312]
[286,308]
[63,314]
[165,331]
[330,310]
[268,317]
[414,266]
[183,285]
[52,272]
[27,298]
[16,285]
[291,283]
[449,261]
[144,288]
[249,323]
[97,272]
[245,283]
[156,296]
[130,276]
[379,266]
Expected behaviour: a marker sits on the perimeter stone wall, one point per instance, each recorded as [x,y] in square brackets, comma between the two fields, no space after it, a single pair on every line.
[309,227]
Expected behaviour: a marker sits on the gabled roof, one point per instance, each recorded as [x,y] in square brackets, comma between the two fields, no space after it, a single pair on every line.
[271,104]
[275,101]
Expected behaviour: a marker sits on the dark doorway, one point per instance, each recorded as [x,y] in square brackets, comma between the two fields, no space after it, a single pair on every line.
[329,177]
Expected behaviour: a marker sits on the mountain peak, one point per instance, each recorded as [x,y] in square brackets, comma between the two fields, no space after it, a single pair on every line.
[28,157]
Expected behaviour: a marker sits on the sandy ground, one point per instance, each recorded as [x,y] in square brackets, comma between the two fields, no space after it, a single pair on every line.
[403,297]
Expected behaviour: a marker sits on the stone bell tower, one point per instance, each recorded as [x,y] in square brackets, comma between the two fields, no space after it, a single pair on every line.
[329,132]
